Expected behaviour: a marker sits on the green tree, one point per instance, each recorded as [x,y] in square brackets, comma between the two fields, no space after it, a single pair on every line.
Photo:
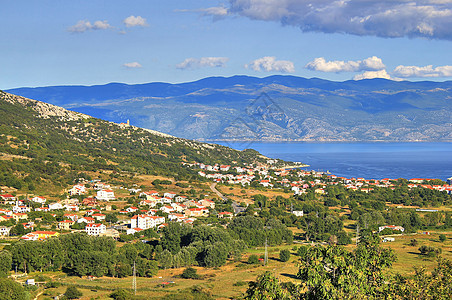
[72,293]
[266,287]
[284,255]
[190,273]
[11,290]
[121,295]
[253,259]
[442,238]
[6,261]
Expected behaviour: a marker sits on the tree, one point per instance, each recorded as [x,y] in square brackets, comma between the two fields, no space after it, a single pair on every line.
[332,272]
[284,255]
[215,255]
[11,290]
[266,287]
[190,273]
[72,293]
[165,259]
[442,238]
[121,295]
[253,259]
[6,260]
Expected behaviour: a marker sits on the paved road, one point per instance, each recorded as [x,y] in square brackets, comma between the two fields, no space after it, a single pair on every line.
[235,205]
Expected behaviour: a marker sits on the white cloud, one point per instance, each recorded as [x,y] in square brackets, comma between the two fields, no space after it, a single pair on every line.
[372,75]
[269,63]
[427,71]
[132,65]
[84,25]
[217,12]
[369,64]
[400,18]
[194,63]
[133,21]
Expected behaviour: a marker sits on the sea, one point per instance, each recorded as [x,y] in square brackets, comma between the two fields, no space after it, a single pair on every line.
[366,160]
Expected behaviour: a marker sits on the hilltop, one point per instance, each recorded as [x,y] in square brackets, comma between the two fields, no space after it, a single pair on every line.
[274,108]
[44,143]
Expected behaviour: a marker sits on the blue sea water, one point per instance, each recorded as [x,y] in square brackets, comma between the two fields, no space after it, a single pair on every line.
[367,160]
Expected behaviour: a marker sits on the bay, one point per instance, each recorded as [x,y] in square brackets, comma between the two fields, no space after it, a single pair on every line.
[367,160]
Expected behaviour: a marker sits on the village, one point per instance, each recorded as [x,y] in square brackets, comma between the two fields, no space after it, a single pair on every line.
[100,215]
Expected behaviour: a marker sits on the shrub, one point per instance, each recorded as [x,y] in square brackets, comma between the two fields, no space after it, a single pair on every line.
[442,237]
[120,295]
[284,255]
[253,259]
[240,283]
[414,242]
[429,251]
[190,273]
[302,251]
[72,293]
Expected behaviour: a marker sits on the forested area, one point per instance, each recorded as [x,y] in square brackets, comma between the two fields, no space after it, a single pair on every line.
[180,245]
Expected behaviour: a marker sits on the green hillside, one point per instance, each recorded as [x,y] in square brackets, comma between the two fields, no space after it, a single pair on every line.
[41,143]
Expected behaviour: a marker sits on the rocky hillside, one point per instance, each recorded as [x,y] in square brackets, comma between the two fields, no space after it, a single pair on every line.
[274,108]
[43,141]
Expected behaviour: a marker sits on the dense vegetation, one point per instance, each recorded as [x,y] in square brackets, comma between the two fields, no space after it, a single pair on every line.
[180,245]
[52,147]
[332,272]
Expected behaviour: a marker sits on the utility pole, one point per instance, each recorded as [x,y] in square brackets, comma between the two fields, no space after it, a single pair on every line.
[266,253]
[134,280]
[357,233]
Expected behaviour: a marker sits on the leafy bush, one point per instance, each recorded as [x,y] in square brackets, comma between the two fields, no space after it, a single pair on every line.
[253,259]
[240,283]
[190,273]
[414,242]
[120,295]
[72,293]
[429,251]
[284,255]
[442,237]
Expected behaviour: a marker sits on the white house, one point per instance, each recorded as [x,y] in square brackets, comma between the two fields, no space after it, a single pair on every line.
[105,195]
[78,189]
[95,229]
[55,206]
[393,227]
[167,209]
[20,209]
[298,213]
[39,199]
[145,222]
[4,230]
[169,195]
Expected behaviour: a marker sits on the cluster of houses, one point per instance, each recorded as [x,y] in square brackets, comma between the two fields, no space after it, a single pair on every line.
[153,211]
[246,175]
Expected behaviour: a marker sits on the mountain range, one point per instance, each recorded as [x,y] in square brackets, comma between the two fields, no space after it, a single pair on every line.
[274,108]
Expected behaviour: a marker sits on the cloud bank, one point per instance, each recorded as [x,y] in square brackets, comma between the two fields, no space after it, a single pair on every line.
[269,63]
[427,71]
[195,63]
[84,25]
[389,19]
[133,21]
[369,64]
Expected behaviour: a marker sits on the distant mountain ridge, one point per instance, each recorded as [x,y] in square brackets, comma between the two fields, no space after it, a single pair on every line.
[274,108]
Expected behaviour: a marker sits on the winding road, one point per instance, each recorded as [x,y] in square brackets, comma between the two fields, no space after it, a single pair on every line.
[235,205]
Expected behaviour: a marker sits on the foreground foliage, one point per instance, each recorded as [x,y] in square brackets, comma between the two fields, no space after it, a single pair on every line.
[332,272]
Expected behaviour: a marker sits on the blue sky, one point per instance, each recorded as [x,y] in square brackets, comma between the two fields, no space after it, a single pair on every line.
[96,42]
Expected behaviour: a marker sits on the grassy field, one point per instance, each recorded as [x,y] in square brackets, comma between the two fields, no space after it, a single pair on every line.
[231,280]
